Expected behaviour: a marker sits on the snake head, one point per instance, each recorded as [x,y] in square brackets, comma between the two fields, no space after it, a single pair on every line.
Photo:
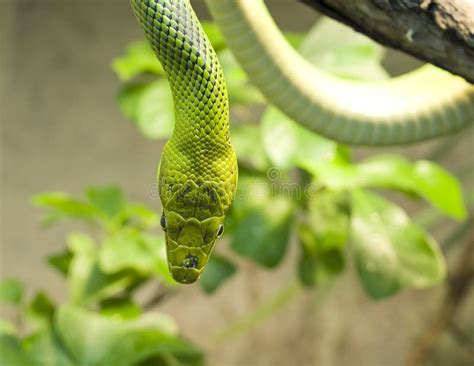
[189,243]
[194,209]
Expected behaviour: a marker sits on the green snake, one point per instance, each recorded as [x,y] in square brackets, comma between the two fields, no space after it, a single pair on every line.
[197,174]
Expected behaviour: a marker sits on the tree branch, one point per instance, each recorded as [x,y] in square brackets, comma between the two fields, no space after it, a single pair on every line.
[437,31]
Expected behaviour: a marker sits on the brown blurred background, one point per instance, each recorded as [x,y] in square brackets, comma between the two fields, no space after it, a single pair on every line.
[62,130]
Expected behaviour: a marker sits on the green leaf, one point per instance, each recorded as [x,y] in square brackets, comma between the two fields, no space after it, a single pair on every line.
[248,146]
[288,144]
[323,238]
[150,106]
[139,58]
[144,217]
[11,291]
[12,353]
[81,244]
[93,336]
[7,328]
[260,219]
[423,178]
[215,35]
[339,50]
[108,200]
[156,111]
[45,348]
[256,192]
[129,98]
[101,341]
[87,281]
[81,267]
[391,252]
[238,86]
[314,270]
[329,219]
[218,270]
[62,205]
[124,308]
[131,249]
[61,261]
[41,309]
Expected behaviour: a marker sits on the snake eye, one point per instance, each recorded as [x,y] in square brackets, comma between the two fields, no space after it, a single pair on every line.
[220,231]
[163,221]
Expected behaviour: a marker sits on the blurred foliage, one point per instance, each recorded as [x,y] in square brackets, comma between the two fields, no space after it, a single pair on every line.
[102,322]
[293,184]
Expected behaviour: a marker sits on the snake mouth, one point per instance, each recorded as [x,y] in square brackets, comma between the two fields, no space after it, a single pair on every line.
[185,275]
[186,269]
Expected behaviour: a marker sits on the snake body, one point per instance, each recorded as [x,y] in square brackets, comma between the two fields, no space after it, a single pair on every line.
[420,105]
[197,175]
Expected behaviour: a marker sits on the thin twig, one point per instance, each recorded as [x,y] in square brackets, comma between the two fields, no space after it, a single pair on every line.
[463,340]
[458,288]
[161,294]
[263,311]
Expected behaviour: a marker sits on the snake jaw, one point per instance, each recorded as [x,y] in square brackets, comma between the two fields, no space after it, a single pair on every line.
[184,275]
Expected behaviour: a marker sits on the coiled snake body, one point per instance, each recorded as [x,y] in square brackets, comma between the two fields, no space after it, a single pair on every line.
[197,175]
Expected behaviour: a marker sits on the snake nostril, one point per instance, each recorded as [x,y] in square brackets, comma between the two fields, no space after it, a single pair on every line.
[190,261]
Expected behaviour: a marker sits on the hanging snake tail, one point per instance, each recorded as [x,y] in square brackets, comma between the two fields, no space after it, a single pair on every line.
[197,174]
[420,105]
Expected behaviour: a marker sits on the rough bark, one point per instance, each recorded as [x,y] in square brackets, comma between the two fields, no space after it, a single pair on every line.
[437,31]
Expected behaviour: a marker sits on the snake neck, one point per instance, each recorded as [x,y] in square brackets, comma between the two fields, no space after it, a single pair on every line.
[199,153]
[191,65]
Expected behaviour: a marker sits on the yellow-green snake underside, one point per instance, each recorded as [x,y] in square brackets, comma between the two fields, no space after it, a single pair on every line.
[197,175]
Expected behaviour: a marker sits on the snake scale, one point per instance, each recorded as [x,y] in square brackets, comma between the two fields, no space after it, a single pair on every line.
[197,174]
